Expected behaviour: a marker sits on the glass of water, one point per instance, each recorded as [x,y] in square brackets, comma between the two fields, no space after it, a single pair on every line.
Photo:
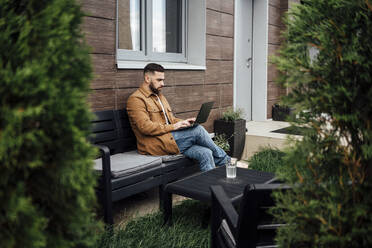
[231,169]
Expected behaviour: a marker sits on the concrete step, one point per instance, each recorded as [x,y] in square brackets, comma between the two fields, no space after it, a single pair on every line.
[260,135]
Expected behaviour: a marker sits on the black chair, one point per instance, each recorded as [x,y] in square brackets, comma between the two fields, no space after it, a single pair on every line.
[253,226]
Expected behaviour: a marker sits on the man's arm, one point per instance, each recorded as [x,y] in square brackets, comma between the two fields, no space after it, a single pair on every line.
[176,120]
[179,123]
[140,117]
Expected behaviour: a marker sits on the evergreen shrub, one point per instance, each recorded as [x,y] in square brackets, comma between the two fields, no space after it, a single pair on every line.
[327,64]
[46,180]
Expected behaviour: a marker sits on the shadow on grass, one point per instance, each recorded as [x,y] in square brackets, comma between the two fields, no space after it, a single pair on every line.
[148,231]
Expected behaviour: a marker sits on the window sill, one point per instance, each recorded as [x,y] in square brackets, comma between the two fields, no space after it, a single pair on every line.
[167,65]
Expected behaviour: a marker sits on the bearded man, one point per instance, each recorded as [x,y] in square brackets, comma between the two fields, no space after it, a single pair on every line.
[159,132]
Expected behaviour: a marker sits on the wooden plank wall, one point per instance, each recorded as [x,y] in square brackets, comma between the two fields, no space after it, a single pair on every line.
[185,90]
[276,10]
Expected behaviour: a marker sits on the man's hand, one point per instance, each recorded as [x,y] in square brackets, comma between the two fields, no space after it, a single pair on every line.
[185,123]
[191,120]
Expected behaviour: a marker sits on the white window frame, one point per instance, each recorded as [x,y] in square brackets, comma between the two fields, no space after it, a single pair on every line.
[194,42]
[146,53]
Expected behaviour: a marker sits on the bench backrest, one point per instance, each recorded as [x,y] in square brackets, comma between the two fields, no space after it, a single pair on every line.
[112,129]
[256,226]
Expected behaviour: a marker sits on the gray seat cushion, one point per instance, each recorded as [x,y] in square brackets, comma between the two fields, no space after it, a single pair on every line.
[168,158]
[128,163]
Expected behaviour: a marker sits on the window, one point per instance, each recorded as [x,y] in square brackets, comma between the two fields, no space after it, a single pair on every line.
[170,32]
[151,30]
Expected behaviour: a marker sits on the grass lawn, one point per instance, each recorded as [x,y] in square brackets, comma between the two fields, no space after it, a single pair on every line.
[148,232]
[187,231]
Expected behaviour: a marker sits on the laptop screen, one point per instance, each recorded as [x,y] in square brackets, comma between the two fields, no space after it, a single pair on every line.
[204,112]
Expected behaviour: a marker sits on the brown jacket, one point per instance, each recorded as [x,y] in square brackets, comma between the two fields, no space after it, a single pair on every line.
[149,125]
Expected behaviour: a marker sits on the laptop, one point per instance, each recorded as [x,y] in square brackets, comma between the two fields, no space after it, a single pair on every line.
[202,116]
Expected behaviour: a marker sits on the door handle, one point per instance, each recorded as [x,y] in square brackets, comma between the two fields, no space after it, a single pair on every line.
[249,62]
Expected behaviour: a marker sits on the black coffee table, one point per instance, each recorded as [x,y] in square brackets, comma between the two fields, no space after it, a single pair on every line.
[197,186]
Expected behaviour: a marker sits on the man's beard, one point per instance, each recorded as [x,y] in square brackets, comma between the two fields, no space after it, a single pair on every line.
[154,90]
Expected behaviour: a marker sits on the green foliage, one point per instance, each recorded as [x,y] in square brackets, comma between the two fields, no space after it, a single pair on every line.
[232,115]
[267,159]
[46,180]
[149,232]
[330,168]
[221,141]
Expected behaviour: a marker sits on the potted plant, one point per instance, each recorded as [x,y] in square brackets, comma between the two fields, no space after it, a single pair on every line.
[221,141]
[281,112]
[232,125]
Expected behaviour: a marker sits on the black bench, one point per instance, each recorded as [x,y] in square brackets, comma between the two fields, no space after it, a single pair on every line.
[125,172]
[252,225]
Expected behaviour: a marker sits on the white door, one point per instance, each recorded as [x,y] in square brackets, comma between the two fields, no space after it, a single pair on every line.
[243,57]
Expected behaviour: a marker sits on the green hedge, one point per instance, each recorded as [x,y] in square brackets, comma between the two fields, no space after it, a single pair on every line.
[46,181]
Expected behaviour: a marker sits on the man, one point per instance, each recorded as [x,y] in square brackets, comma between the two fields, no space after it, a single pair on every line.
[158,131]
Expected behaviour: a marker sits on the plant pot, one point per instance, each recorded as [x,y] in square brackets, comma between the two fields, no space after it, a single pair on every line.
[280,113]
[235,133]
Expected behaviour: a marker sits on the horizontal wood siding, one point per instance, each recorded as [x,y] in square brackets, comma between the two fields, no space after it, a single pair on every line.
[185,90]
[276,10]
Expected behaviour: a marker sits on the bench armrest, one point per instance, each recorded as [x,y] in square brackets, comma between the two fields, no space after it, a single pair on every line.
[106,162]
[223,208]
[271,186]
[103,149]
[106,183]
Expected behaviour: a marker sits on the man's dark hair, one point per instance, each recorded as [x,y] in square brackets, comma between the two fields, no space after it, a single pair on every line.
[152,67]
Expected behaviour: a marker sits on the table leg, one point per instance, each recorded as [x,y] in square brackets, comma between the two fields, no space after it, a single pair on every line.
[206,216]
[167,205]
[161,197]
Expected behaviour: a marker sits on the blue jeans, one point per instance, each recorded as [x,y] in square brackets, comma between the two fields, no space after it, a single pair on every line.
[195,143]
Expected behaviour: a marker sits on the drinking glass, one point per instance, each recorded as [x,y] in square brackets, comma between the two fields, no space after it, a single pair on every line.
[231,169]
